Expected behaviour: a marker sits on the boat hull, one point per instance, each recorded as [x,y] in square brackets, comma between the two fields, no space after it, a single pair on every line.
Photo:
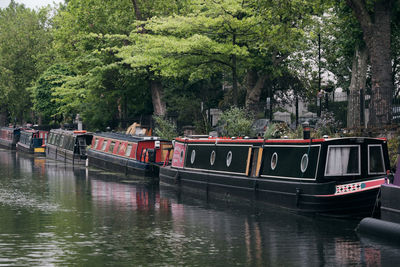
[65,155]
[120,164]
[299,196]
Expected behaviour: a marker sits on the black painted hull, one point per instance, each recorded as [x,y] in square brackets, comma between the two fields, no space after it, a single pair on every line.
[299,196]
[67,156]
[121,164]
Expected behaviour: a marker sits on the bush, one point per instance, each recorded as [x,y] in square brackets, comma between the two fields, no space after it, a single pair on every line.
[165,128]
[235,122]
[393,145]
[277,130]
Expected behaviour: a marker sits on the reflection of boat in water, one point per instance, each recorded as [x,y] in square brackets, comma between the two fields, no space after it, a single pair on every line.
[339,177]
[123,196]
[32,141]
[9,137]
[128,154]
[263,235]
[68,146]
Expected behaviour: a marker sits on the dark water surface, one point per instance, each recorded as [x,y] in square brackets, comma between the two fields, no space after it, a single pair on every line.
[52,214]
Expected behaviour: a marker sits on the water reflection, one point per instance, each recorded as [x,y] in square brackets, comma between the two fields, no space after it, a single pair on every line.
[53,213]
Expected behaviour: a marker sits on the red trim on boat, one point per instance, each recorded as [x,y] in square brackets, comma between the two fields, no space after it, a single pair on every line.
[240,140]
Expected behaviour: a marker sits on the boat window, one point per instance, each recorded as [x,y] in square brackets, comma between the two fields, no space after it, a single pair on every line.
[50,138]
[343,160]
[67,141]
[193,156]
[304,163]
[212,158]
[57,140]
[274,161]
[96,142]
[128,150]
[111,147]
[72,143]
[376,162]
[118,147]
[229,159]
[61,143]
[103,147]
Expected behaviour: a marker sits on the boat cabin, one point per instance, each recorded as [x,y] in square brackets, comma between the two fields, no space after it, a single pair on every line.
[306,174]
[68,145]
[9,137]
[118,151]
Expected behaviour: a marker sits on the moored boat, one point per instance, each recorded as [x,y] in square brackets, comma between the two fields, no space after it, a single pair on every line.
[32,141]
[9,137]
[338,176]
[127,153]
[387,226]
[68,146]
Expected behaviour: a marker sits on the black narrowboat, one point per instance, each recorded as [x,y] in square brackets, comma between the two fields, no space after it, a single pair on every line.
[68,146]
[387,225]
[9,137]
[140,155]
[337,176]
[32,141]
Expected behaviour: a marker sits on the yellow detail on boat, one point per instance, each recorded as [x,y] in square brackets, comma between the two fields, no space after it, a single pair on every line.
[39,150]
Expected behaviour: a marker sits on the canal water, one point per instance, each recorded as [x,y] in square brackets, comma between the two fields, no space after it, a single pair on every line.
[53,214]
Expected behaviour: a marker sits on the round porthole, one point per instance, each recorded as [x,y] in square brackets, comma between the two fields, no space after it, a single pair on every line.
[274,161]
[193,156]
[229,159]
[212,158]
[304,163]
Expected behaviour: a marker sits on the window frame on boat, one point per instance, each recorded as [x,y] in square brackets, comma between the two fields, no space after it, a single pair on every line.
[96,142]
[193,156]
[104,145]
[213,155]
[342,174]
[382,160]
[229,157]
[304,166]
[274,163]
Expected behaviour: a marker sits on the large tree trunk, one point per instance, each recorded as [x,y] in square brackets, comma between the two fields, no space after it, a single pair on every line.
[255,83]
[376,34]
[159,105]
[358,81]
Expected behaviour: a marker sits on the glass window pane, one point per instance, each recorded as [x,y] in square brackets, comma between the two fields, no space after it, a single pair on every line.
[128,150]
[343,161]
[376,160]
[103,148]
[111,148]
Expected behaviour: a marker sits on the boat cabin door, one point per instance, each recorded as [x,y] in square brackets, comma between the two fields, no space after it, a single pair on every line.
[82,146]
[254,160]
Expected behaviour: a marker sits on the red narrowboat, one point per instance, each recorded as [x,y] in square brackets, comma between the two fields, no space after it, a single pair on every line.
[127,153]
[9,137]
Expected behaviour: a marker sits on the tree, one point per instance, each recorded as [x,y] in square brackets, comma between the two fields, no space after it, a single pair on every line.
[24,40]
[375,21]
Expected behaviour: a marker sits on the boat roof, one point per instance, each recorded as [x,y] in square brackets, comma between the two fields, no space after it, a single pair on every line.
[69,132]
[126,137]
[271,141]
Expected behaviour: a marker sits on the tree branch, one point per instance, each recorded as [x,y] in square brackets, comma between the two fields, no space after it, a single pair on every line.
[361,13]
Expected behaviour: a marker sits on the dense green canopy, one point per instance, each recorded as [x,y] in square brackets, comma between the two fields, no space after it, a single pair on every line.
[117,62]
